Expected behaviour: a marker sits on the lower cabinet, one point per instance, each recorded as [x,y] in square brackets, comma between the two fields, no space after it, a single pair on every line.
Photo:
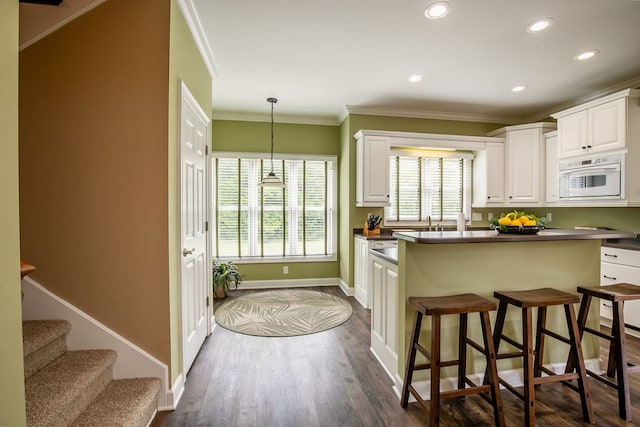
[384,313]
[620,266]
[361,279]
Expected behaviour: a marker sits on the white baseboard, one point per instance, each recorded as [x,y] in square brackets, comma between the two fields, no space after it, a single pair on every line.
[88,333]
[289,283]
[361,296]
[348,290]
[512,376]
[174,395]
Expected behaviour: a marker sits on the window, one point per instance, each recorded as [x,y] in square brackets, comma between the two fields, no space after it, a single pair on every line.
[426,183]
[256,223]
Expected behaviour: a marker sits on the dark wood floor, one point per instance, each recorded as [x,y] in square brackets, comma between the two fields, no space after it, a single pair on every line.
[332,379]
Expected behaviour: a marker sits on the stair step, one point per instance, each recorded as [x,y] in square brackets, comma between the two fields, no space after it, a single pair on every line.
[43,341]
[128,402]
[59,392]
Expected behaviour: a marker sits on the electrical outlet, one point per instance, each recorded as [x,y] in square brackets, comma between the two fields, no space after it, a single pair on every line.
[489,216]
[549,216]
[476,216]
[285,269]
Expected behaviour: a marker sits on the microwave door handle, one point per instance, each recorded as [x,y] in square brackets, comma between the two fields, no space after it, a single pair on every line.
[592,170]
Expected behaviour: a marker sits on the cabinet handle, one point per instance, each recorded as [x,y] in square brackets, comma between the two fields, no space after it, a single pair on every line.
[608,277]
[488,197]
[588,146]
[611,255]
[583,147]
[511,197]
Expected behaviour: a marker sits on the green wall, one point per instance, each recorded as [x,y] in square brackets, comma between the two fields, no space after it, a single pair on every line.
[185,64]
[12,405]
[240,136]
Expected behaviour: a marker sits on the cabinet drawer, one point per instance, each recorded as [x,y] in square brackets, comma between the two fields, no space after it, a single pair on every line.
[382,244]
[617,273]
[620,256]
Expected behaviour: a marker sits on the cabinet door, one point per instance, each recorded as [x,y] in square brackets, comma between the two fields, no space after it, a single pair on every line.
[372,169]
[572,134]
[377,306]
[607,129]
[495,173]
[551,166]
[391,309]
[360,282]
[523,166]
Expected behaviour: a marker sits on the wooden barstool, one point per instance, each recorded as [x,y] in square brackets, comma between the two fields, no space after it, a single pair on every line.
[533,368]
[618,364]
[436,307]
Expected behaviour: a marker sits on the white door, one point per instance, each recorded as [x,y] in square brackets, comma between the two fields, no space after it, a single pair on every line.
[194,131]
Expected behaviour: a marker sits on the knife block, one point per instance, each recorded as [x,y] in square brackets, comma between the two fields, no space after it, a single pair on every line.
[367,232]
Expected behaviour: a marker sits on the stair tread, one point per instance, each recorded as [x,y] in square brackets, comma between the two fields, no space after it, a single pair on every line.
[125,402]
[38,333]
[53,388]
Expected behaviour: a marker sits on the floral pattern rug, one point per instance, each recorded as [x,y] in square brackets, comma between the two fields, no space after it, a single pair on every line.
[283,313]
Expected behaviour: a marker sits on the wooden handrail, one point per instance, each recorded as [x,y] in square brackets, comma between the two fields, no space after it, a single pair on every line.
[26,268]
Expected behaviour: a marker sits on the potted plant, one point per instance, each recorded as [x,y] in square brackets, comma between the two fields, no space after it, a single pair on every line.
[225,276]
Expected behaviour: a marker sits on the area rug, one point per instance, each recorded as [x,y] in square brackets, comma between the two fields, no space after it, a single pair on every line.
[283,313]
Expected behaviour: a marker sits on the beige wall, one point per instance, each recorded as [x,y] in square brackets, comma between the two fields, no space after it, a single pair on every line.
[186,65]
[94,166]
[12,406]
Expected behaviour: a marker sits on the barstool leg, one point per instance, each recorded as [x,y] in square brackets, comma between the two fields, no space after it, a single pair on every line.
[582,321]
[576,351]
[462,352]
[529,389]
[491,375]
[411,359]
[624,400]
[542,323]
[434,407]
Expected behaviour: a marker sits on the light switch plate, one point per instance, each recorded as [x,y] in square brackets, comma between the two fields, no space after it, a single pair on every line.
[476,216]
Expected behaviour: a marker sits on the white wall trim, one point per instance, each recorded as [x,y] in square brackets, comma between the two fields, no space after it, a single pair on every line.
[174,394]
[188,10]
[289,283]
[348,290]
[88,333]
[512,376]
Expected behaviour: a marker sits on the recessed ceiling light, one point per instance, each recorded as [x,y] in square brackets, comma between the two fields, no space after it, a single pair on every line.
[586,54]
[539,25]
[518,88]
[415,78]
[437,10]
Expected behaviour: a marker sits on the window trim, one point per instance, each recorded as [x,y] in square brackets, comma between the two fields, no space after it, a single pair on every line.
[281,157]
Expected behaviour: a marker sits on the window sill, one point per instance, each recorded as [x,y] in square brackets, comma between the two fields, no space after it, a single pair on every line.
[274,260]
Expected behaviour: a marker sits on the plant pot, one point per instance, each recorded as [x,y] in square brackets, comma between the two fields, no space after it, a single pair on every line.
[219,292]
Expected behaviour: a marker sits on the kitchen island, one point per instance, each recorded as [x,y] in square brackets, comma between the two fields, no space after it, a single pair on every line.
[484,261]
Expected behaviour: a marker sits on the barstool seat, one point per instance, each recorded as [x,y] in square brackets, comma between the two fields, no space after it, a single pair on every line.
[618,365]
[533,357]
[436,307]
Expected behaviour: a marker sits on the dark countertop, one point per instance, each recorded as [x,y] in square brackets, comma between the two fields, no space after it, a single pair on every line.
[387,254]
[489,236]
[381,236]
[631,244]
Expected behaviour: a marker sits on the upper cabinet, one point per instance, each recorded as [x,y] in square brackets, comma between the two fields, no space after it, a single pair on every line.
[551,165]
[372,170]
[488,176]
[597,126]
[524,169]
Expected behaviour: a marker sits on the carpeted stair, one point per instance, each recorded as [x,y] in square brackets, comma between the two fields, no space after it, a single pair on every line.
[76,388]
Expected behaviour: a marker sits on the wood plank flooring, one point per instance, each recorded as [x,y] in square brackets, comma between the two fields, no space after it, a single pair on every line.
[332,379]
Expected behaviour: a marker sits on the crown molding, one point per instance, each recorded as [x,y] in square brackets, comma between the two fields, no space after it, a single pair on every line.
[631,83]
[428,114]
[281,118]
[188,10]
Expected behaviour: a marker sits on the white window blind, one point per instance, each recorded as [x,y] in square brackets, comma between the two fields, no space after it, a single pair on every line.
[427,184]
[269,223]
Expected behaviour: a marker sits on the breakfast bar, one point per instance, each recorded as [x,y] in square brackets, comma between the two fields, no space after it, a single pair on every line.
[483,261]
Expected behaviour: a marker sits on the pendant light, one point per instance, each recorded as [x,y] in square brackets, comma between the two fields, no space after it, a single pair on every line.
[271,180]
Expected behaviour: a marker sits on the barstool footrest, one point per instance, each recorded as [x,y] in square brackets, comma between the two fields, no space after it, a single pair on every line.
[509,355]
[444,395]
[602,379]
[553,377]
[556,336]
[475,345]
[511,341]
[598,333]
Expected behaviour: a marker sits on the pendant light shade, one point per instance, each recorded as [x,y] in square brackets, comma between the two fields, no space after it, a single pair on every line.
[271,180]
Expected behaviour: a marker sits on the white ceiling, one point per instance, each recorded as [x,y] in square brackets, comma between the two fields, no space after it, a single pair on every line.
[317,57]
[320,57]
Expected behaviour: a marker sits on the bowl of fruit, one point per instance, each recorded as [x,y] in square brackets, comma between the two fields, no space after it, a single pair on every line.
[518,222]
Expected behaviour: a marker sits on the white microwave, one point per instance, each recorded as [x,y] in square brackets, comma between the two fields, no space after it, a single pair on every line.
[598,177]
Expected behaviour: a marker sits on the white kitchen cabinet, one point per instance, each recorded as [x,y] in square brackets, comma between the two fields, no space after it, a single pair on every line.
[372,170]
[488,176]
[601,125]
[361,279]
[551,165]
[620,266]
[384,314]
[524,163]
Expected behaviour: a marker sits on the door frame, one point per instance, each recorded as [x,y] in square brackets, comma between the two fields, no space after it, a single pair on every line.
[186,95]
